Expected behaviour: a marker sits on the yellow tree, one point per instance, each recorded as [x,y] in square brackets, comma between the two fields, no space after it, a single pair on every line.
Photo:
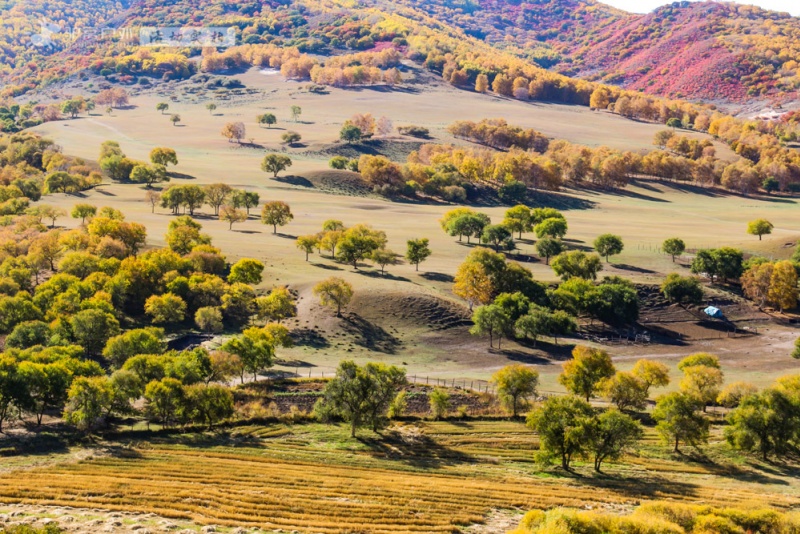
[473,284]
[783,286]
[482,83]
[756,283]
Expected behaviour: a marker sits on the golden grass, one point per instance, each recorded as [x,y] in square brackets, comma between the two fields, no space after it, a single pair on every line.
[313,478]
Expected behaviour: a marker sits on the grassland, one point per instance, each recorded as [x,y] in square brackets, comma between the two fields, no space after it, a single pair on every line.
[417,477]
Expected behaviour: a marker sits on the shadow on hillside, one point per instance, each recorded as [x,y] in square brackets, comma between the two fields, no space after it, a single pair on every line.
[438,277]
[551,199]
[308,337]
[383,275]
[369,335]
[552,352]
[639,488]
[294,180]
[326,266]
[180,176]
[632,268]
[416,450]
[285,236]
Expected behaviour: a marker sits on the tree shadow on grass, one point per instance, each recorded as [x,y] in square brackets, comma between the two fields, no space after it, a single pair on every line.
[632,268]
[180,176]
[285,236]
[326,266]
[369,335]
[383,276]
[650,487]
[438,277]
[417,450]
[294,180]
[308,337]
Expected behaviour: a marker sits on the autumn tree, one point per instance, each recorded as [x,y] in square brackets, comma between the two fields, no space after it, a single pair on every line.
[783,286]
[245,199]
[256,348]
[216,195]
[335,293]
[165,309]
[307,243]
[175,119]
[563,424]
[492,320]
[231,215]
[682,289]
[296,111]
[275,163]
[611,434]
[163,156]
[652,374]
[518,219]
[291,138]
[276,213]
[83,211]
[759,227]
[234,131]
[384,257]
[577,263]
[276,306]
[585,372]
[679,419]
[267,118]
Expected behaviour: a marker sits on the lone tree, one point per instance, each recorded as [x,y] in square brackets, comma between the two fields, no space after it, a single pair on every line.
[275,163]
[335,293]
[162,107]
[608,245]
[296,111]
[361,395]
[584,373]
[759,227]
[350,134]
[291,138]
[211,107]
[418,251]
[515,385]
[175,119]
[267,118]
[277,213]
[83,211]
[674,246]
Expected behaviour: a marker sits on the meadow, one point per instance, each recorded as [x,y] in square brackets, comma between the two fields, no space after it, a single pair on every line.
[449,476]
[400,314]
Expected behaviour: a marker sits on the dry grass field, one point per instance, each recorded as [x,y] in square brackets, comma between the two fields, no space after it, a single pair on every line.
[403,317]
[421,477]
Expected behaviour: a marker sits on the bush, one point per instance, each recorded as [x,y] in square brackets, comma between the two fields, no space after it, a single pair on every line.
[414,131]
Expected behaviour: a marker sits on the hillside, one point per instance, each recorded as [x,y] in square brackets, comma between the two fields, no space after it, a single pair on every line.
[720,53]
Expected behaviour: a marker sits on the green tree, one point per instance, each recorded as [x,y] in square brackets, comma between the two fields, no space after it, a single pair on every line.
[497,235]
[515,385]
[563,424]
[358,243]
[547,247]
[267,118]
[350,134]
[244,199]
[276,213]
[291,138]
[163,156]
[335,293]
[246,271]
[577,263]
[89,401]
[384,257]
[492,320]
[770,184]
[418,251]
[149,174]
[13,389]
[216,195]
[175,119]
[164,400]
[674,246]
[211,107]
[208,404]
[83,212]
[682,289]
[209,319]
[92,328]
[608,245]
[764,422]
[361,395]
[439,402]
[612,433]
[518,219]
[584,373]
[307,243]
[46,386]
[296,111]
[679,419]
[255,347]
[555,227]
[759,227]
[626,390]
[165,309]
[128,344]
[162,107]
[276,306]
